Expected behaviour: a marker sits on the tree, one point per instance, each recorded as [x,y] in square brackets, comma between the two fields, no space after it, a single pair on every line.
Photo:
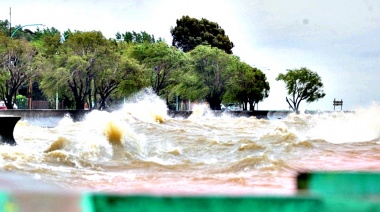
[16,67]
[163,65]
[77,63]
[259,90]
[191,32]
[248,86]
[4,27]
[111,70]
[89,68]
[47,41]
[213,69]
[46,32]
[302,84]
[134,37]
[51,44]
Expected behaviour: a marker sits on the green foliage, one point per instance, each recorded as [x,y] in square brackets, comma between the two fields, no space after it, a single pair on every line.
[213,69]
[21,102]
[190,85]
[85,44]
[86,67]
[302,84]
[191,32]
[163,65]
[134,79]
[16,60]
[50,32]
[111,70]
[248,86]
[134,37]
[4,27]
[89,68]
[47,41]
[51,44]
[73,70]
[20,32]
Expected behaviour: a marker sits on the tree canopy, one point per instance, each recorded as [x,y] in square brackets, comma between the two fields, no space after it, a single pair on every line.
[16,67]
[249,86]
[191,32]
[163,65]
[134,37]
[4,27]
[214,69]
[85,67]
[302,84]
[89,68]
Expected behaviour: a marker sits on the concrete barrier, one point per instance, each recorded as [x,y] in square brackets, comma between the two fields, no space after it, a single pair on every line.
[8,124]
[179,114]
[44,118]
[76,115]
[260,114]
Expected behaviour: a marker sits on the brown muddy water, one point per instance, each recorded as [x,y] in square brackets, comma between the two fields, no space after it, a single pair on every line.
[139,149]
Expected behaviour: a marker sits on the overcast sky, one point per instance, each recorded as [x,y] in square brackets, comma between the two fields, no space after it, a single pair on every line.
[338,39]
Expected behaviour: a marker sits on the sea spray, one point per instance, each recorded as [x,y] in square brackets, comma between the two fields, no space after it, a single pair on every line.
[339,127]
[147,107]
[207,155]
[114,134]
[58,144]
[199,110]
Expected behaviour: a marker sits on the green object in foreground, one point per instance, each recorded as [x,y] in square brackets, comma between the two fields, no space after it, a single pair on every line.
[340,183]
[343,191]
[6,204]
[318,191]
[103,202]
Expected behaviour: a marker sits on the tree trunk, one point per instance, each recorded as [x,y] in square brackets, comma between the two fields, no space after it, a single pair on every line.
[90,100]
[214,102]
[8,102]
[79,104]
[251,106]
[293,106]
[102,104]
[245,105]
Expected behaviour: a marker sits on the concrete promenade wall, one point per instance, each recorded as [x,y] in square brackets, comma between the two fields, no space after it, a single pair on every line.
[77,115]
[261,114]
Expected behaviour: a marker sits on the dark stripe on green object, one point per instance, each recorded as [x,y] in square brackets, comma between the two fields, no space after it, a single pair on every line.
[102,202]
[347,183]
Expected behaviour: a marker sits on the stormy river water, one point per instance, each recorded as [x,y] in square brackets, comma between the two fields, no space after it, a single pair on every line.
[140,149]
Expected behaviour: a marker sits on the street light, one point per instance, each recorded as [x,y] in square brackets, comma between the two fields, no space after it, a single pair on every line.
[14,32]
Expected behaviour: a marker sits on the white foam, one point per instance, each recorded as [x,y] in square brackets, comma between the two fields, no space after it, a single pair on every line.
[360,126]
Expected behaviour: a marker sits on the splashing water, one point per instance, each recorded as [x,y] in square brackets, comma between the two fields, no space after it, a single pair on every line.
[360,126]
[140,149]
[58,144]
[146,106]
[114,134]
[199,111]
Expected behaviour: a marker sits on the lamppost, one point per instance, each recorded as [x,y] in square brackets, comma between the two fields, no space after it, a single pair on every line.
[30,80]
[14,32]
